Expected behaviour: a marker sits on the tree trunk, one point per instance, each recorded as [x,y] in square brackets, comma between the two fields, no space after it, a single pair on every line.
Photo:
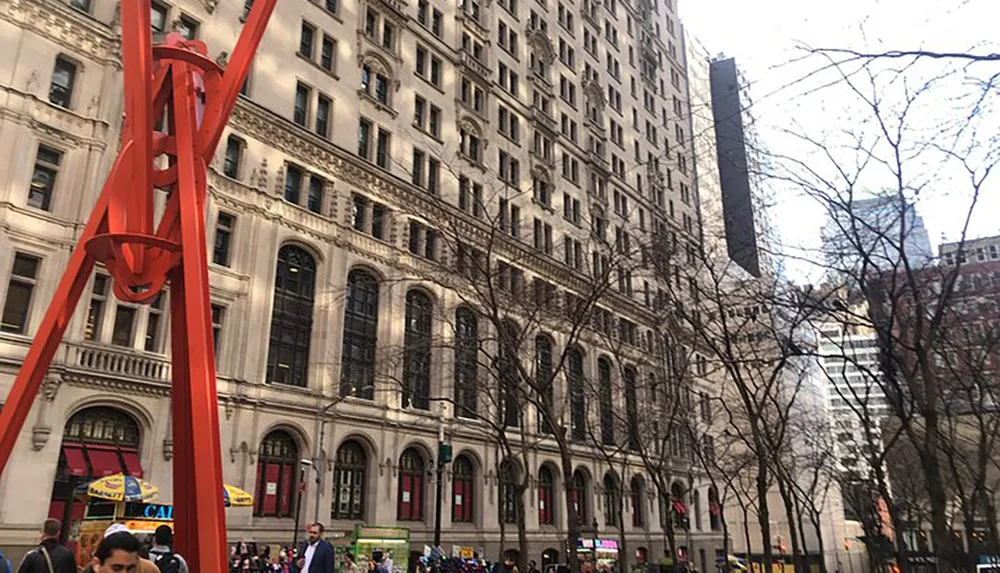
[763,512]
[793,532]
[572,522]
[522,530]
[815,518]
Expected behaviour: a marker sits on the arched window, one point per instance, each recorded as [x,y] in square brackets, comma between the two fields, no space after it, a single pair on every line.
[577,404]
[510,337]
[357,367]
[631,408]
[277,462]
[349,482]
[411,486]
[578,495]
[677,506]
[637,492]
[466,361]
[462,501]
[97,442]
[612,500]
[508,492]
[714,509]
[546,499]
[417,351]
[607,407]
[291,320]
[543,378]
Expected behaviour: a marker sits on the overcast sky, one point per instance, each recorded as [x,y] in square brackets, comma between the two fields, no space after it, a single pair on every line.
[763,35]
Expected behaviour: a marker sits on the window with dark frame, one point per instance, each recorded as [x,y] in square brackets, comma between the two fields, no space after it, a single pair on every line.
[417,351]
[43,179]
[277,471]
[546,497]
[466,362]
[360,335]
[349,476]
[63,82]
[95,310]
[224,227]
[24,275]
[234,157]
[291,319]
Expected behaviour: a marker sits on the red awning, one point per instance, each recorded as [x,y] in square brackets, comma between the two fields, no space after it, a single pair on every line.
[132,463]
[75,461]
[103,462]
[679,506]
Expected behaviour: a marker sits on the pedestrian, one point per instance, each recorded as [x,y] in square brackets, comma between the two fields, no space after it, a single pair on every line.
[315,555]
[118,552]
[532,567]
[162,553]
[50,556]
[349,565]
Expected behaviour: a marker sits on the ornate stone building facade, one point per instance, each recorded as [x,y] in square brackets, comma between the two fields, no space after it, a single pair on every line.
[364,126]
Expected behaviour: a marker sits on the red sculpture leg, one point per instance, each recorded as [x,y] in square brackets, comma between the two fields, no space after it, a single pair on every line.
[206,520]
[180,78]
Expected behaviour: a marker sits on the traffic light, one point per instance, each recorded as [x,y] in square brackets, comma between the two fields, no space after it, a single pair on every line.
[444,452]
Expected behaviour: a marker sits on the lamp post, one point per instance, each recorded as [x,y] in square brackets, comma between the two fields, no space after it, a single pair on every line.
[298,504]
[319,467]
[443,457]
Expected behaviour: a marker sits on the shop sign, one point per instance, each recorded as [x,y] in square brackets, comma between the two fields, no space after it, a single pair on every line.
[599,544]
[152,511]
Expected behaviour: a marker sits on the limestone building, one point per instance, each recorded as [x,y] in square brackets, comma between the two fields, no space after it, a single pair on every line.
[367,130]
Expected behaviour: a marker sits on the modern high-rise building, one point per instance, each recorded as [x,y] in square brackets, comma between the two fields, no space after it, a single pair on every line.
[377,144]
[881,228]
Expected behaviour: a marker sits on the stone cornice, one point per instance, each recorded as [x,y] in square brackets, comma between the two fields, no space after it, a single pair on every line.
[77,33]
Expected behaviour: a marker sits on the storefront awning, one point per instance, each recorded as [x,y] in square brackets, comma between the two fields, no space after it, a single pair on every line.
[132,463]
[75,461]
[103,462]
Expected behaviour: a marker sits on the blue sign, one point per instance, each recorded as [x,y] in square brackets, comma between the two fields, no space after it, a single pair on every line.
[150,511]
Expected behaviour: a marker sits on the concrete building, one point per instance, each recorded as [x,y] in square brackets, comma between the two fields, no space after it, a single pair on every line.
[366,129]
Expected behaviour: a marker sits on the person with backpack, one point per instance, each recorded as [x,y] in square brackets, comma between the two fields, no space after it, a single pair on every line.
[162,555]
[50,556]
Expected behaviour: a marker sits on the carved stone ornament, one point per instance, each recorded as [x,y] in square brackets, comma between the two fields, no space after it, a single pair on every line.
[541,42]
[32,83]
[168,449]
[50,387]
[228,408]
[279,181]
[210,5]
[40,437]
[260,179]
[222,59]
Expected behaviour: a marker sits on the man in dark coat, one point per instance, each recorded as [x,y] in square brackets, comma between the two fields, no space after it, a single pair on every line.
[49,550]
[315,555]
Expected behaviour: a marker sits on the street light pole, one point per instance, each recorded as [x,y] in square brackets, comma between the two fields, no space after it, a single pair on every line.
[320,467]
[443,457]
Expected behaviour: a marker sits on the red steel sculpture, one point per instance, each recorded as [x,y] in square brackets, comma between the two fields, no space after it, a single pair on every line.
[178,79]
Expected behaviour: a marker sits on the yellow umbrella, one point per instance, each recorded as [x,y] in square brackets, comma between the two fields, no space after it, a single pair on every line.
[120,487]
[236,497]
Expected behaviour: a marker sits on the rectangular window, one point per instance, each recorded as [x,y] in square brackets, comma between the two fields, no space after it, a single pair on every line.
[382,153]
[187,27]
[218,315]
[435,121]
[95,312]
[158,17]
[327,55]
[302,96]
[364,138]
[43,180]
[293,183]
[418,168]
[234,157]
[23,277]
[306,41]
[323,105]
[224,227]
[82,5]
[314,202]
[124,327]
[433,175]
[152,342]
[63,80]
